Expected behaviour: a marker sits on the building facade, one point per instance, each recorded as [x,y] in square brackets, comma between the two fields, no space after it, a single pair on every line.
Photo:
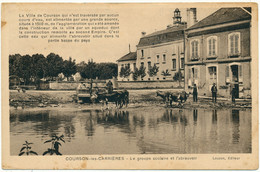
[218,51]
[128,60]
[164,49]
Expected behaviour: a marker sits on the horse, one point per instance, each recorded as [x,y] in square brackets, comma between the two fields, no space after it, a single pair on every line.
[120,98]
[173,97]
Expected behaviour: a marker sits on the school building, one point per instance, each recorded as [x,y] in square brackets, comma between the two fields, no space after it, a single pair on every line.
[218,51]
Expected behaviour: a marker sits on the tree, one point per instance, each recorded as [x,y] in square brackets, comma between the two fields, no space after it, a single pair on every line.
[14,63]
[152,71]
[89,70]
[142,72]
[125,71]
[54,65]
[25,69]
[135,74]
[166,73]
[178,77]
[80,68]
[69,67]
[38,67]
[106,70]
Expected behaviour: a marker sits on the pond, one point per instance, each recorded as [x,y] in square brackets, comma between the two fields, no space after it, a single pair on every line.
[147,130]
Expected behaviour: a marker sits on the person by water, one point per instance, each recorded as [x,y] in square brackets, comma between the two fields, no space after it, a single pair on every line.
[214,91]
[195,93]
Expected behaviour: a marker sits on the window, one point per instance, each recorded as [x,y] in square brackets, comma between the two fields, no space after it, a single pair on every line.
[173,64]
[195,49]
[134,64]
[158,59]
[234,44]
[142,53]
[142,64]
[212,73]
[164,57]
[182,63]
[122,65]
[212,46]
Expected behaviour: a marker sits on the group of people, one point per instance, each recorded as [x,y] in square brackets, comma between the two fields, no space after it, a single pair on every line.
[109,86]
[214,91]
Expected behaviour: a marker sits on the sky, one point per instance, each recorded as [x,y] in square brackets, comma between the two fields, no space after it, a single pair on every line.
[134,19]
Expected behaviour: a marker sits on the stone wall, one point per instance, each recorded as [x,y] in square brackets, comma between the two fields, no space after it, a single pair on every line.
[67,85]
[148,84]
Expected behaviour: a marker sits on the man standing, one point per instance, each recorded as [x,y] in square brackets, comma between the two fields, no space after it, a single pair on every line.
[214,92]
[195,93]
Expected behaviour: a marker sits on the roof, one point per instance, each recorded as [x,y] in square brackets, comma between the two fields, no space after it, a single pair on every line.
[128,57]
[223,15]
[170,34]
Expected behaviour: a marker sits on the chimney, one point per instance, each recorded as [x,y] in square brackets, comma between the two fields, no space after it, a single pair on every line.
[143,34]
[191,16]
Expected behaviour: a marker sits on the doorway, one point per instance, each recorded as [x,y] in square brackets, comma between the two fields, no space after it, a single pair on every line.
[235,79]
[212,76]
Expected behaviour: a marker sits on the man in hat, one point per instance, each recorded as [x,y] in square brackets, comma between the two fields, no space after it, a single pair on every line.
[214,91]
[195,93]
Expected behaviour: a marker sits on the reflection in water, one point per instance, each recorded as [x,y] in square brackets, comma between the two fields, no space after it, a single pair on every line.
[183,118]
[235,121]
[89,125]
[214,116]
[135,131]
[195,116]
[214,126]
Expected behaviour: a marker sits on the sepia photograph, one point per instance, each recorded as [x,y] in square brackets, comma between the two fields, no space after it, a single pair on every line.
[91,84]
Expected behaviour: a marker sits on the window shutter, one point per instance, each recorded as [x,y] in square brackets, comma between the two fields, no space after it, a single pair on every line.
[209,47]
[232,44]
[189,74]
[227,71]
[213,47]
[240,70]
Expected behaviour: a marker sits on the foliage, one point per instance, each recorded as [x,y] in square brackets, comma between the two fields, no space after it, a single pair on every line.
[89,70]
[31,69]
[135,74]
[166,73]
[54,65]
[177,76]
[69,67]
[152,71]
[125,71]
[142,72]
[55,143]
[26,149]
[106,70]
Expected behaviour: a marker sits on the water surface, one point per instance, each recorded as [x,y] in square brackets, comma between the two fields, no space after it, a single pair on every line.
[146,130]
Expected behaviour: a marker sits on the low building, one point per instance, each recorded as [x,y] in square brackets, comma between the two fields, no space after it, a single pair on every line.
[128,60]
[218,51]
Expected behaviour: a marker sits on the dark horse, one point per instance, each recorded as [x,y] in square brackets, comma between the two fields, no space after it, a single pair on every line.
[120,98]
[179,97]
